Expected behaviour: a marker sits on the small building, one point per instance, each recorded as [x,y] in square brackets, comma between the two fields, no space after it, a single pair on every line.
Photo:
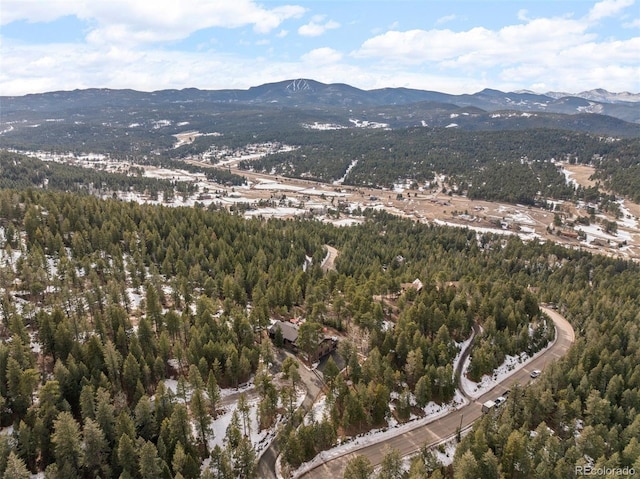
[415,284]
[326,346]
[569,233]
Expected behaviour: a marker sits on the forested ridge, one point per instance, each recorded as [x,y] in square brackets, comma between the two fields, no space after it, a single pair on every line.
[584,410]
[23,171]
[475,162]
[92,401]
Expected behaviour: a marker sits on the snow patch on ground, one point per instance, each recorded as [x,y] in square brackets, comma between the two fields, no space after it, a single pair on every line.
[346,173]
[508,367]
[368,124]
[323,126]
[259,439]
[524,235]
[433,411]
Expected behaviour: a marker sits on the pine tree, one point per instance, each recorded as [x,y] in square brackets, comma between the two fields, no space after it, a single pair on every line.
[200,412]
[127,457]
[180,426]
[358,468]
[16,468]
[179,459]
[391,466]
[150,467]
[130,375]
[243,407]
[96,449]
[466,467]
[244,460]
[213,391]
[144,418]
[67,446]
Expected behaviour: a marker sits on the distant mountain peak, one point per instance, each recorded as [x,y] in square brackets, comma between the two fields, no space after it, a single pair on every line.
[600,95]
[300,84]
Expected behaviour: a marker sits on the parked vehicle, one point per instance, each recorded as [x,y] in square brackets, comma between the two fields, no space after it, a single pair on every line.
[535,373]
[488,406]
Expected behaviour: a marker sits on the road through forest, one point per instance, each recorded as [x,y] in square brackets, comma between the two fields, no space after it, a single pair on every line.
[447,426]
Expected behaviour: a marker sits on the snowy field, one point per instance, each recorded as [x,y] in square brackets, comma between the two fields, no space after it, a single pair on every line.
[526,234]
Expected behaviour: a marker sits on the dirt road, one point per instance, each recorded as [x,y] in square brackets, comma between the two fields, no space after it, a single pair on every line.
[328,263]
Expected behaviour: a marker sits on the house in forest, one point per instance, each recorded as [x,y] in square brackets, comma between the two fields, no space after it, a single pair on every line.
[415,284]
[289,333]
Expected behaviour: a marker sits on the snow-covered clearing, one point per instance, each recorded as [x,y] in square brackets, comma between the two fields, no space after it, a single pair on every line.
[368,124]
[628,220]
[508,367]
[339,181]
[277,212]
[323,126]
[524,234]
[259,439]
[343,221]
[593,231]
[443,453]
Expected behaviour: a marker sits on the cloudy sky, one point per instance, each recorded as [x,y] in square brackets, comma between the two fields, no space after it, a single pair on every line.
[452,46]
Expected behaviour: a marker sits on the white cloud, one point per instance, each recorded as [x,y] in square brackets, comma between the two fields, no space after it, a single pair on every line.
[507,45]
[446,19]
[608,8]
[35,11]
[124,49]
[161,20]
[560,51]
[94,65]
[322,56]
[317,26]
[523,15]
[632,24]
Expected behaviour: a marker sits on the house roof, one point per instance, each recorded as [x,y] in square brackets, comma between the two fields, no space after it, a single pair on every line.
[288,330]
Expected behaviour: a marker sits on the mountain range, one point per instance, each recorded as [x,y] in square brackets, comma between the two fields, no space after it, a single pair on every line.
[81,116]
[304,92]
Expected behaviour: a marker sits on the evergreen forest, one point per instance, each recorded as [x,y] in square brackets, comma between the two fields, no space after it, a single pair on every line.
[84,369]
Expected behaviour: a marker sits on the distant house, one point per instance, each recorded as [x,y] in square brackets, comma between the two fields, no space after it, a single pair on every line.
[599,242]
[569,233]
[415,284]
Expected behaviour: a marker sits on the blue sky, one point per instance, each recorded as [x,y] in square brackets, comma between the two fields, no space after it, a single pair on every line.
[452,46]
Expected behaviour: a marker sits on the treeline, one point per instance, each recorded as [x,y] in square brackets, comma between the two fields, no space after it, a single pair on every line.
[623,175]
[480,162]
[21,171]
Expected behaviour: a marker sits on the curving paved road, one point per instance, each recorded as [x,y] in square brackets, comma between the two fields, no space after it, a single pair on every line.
[446,426]
[312,382]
